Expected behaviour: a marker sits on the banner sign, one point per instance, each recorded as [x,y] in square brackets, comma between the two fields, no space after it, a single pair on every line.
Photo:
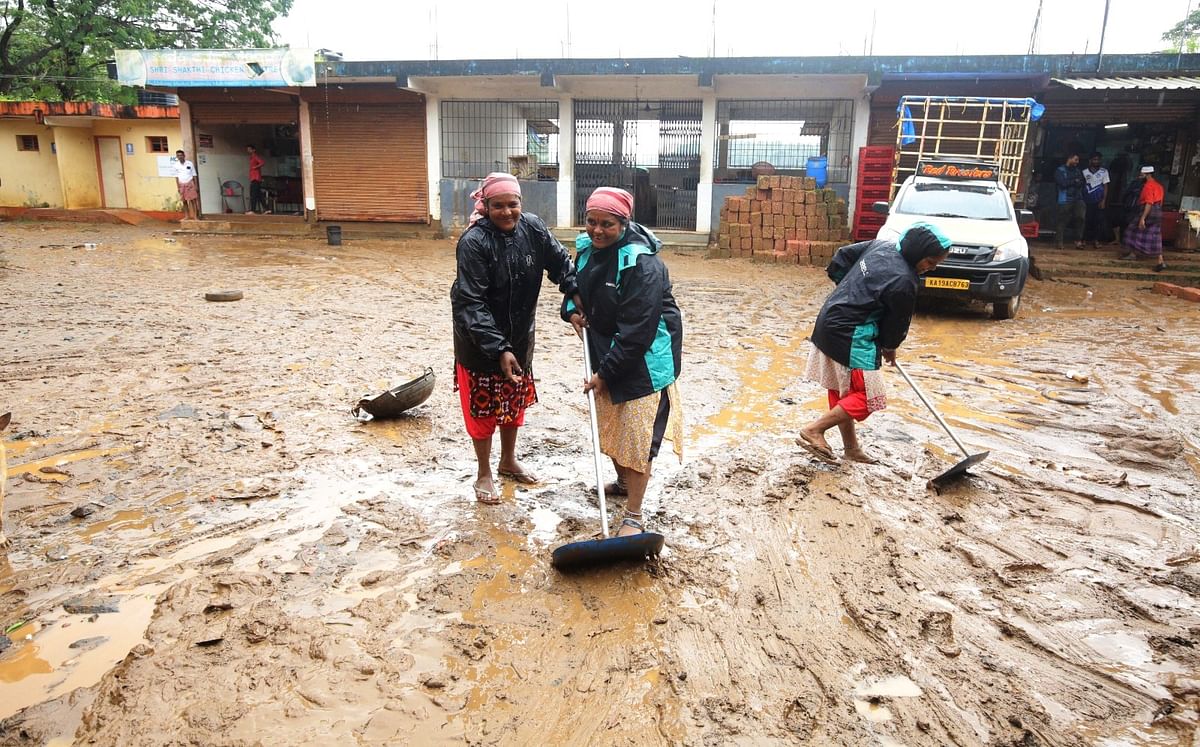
[216,67]
[966,170]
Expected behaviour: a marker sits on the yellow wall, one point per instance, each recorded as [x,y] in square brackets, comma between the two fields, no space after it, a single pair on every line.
[77,167]
[28,179]
[144,188]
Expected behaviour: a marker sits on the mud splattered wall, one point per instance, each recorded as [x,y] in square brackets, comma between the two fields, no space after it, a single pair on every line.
[28,178]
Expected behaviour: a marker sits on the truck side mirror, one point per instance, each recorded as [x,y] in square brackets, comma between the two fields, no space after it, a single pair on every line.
[880,207]
[1024,217]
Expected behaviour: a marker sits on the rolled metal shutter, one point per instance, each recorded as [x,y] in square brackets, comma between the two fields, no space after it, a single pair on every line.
[244,112]
[369,162]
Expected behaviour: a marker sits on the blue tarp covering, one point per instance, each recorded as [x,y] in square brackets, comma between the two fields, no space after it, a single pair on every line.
[908,131]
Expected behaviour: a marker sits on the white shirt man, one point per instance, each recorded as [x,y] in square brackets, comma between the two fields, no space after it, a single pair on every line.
[1096,180]
[185,170]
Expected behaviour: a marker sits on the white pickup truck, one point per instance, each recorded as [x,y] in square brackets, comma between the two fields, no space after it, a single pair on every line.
[989,258]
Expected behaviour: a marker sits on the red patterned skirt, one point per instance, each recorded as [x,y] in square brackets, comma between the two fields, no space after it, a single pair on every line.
[490,399]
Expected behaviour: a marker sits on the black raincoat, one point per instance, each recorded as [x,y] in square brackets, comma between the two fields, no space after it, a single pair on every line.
[495,294]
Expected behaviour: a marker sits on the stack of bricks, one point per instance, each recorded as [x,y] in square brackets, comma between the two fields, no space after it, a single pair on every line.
[783,219]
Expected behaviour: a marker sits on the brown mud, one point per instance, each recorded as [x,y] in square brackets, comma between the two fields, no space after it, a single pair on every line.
[247,564]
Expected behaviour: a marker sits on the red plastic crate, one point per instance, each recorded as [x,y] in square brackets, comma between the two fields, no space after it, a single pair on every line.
[1030,230]
[877,151]
[870,219]
[875,180]
[875,167]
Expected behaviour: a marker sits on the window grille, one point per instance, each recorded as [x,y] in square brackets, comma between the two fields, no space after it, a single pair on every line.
[784,133]
[517,137]
[157,144]
[27,142]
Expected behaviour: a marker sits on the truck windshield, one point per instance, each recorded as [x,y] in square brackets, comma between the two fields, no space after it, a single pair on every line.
[955,201]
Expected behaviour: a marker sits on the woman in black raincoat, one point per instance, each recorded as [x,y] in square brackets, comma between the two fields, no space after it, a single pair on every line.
[501,259]
[863,321]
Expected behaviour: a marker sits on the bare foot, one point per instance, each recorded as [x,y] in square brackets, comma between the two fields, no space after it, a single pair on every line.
[485,491]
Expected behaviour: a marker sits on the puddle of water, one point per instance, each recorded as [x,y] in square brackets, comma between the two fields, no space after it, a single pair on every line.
[124,521]
[754,409]
[872,712]
[58,460]
[897,686]
[46,667]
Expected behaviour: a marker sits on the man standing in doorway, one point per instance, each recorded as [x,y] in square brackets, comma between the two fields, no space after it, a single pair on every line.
[1069,180]
[185,179]
[1095,200]
[257,204]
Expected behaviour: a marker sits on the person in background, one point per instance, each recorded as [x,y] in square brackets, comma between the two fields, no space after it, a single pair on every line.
[186,181]
[1069,181]
[257,203]
[1095,200]
[501,259]
[635,339]
[861,324]
[1142,237]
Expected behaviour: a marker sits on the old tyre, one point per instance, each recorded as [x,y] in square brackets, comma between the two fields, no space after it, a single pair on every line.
[1006,309]
[231,295]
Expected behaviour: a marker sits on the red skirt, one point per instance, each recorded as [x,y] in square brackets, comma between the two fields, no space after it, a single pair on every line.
[490,399]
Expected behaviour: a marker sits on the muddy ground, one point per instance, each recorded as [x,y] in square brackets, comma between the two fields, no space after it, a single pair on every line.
[208,549]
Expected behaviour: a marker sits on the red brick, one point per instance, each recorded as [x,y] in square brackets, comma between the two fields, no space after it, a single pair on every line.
[764,182]
[1189,294]
[1165,289]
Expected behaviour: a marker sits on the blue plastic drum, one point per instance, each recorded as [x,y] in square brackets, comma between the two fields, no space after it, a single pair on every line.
[818,168]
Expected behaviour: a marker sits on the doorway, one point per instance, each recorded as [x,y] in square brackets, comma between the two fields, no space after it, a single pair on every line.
[651,148]
[111,165]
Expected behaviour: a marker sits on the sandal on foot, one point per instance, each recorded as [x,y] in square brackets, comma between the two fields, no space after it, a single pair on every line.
[633,521]
[820,452]
[1160,267]
[525,478]
[487,497]
[860,456]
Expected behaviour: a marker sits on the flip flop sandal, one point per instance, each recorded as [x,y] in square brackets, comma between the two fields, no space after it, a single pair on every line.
[524,478]
[487,498]
[865,459]
[825,455]
[629,521]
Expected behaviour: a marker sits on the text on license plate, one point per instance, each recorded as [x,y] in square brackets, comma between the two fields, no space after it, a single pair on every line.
[951,283]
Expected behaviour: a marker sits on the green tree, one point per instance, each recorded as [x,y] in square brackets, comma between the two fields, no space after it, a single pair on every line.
[57,49]
[1186,31]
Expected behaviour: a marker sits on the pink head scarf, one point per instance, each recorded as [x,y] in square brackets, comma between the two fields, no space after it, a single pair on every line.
[612,200]
[496,183]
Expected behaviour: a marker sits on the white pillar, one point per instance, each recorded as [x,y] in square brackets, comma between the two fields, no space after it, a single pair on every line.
[308,186]
[566,162]
[433,155]
[188,143]
[708,136]
[858,138]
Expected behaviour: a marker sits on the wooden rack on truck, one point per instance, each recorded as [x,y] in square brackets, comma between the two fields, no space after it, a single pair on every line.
[979,129]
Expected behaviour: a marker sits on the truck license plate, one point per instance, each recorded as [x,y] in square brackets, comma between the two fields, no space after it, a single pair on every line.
[951,283]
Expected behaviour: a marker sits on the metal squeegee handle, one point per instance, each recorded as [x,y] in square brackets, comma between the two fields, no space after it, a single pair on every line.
[927,403]
[587,375]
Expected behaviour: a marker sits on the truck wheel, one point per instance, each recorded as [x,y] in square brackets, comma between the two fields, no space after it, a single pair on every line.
[1006,309]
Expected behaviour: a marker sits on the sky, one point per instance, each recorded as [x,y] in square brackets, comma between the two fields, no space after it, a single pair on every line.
[471,29]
